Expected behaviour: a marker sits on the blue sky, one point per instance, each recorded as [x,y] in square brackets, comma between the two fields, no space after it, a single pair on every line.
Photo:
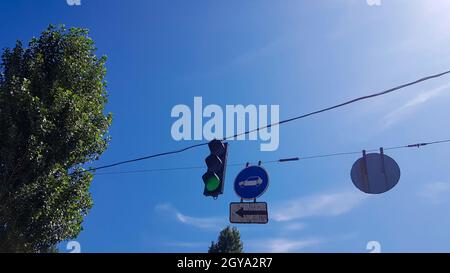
[300,55]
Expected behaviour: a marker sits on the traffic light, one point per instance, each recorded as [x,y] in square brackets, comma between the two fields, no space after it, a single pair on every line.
[214,178]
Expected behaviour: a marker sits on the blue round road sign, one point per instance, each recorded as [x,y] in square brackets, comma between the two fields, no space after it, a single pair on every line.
[251,182]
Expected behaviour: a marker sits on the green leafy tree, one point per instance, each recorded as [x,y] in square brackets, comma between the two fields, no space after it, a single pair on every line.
[229,241]
[52,121]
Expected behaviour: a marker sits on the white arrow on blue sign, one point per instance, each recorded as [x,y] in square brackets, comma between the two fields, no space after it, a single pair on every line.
[251,182]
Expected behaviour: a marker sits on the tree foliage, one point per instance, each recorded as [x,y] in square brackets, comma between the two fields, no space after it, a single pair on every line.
[52,121]
[229,241]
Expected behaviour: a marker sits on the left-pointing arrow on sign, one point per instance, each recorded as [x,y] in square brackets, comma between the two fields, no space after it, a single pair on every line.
[249,213]
[241,212]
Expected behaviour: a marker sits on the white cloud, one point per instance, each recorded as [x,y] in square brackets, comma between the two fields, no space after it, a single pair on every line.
[373,2]
[435,192]
[199,222]
[280,245]
[331,204]
[294,226]
[411,105]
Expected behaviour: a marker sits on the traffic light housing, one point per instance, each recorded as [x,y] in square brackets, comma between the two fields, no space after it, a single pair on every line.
[216,162]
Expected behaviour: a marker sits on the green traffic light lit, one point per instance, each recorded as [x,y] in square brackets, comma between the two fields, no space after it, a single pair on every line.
[212,183]
[216,164]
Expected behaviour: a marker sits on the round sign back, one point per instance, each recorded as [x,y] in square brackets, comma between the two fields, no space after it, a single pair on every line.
[375,173]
